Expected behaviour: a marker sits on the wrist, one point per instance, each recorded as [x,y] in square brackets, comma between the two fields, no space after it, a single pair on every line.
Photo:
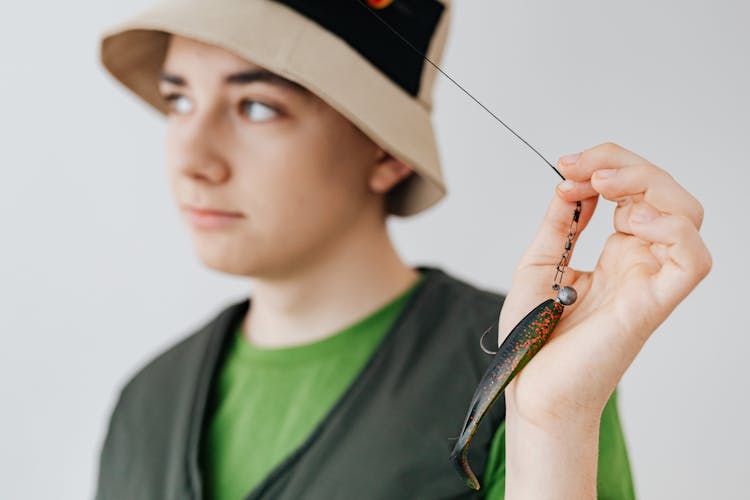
[550,414]
[555,459]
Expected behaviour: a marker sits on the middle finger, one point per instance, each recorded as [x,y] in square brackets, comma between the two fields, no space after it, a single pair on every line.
[641,181]
[654,185]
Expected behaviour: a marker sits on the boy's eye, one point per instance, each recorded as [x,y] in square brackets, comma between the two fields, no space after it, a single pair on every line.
[257,111]
[178,103]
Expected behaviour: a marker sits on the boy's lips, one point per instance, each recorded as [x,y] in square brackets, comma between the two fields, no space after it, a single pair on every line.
[212,211]
[211,218]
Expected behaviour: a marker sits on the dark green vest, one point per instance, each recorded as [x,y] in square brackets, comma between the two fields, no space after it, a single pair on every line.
[387,437]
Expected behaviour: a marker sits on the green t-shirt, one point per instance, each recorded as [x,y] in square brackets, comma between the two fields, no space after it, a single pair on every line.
[270,400]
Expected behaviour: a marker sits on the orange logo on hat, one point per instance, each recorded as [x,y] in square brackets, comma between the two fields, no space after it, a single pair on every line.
[379,4]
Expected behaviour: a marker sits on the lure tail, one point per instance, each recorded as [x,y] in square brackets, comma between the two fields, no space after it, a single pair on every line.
[521,344]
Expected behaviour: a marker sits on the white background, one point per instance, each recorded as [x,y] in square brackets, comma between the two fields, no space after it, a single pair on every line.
[98,274]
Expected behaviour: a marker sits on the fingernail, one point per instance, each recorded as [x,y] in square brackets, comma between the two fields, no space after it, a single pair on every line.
[642,213]
[565,185]
[605,173]
[570,159]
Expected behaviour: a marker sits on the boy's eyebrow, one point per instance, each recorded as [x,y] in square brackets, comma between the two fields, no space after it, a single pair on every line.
[244,77]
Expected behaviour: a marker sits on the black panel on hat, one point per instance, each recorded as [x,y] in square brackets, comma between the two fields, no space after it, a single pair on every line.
[415,20]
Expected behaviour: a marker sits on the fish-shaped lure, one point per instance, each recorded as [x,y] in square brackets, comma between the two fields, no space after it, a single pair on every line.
[521,344]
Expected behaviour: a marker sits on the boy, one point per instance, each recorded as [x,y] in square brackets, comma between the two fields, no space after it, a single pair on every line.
[294,130]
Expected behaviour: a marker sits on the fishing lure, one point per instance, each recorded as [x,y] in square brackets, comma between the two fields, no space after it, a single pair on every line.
[528,336]
[521,344]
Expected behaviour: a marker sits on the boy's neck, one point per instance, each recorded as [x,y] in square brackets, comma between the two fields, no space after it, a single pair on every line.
[359,276]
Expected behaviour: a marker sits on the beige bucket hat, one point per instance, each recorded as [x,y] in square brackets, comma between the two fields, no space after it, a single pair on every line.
[336,48]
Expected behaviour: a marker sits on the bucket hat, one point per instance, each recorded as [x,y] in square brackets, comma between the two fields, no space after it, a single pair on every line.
[337,49]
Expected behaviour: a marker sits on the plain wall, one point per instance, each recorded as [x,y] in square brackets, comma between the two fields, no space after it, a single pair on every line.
[98,275]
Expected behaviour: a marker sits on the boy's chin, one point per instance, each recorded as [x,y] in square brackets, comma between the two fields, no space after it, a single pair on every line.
[228,260]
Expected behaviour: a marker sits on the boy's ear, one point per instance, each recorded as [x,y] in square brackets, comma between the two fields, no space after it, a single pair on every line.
[387,172]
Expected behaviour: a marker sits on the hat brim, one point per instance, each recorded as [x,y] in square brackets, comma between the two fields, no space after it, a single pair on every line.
[134,51]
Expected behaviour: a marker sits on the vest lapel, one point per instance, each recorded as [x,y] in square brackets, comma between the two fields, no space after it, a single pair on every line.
[209,363]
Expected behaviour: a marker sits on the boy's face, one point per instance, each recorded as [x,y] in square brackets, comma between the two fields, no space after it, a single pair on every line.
[297,174]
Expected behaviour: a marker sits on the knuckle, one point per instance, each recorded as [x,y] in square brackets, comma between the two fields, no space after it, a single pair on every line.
[595,154]
[609,146]
[699,213]
[705,262]
[701,258]
[644,169]
[648,169]
[586,156]
[684,225]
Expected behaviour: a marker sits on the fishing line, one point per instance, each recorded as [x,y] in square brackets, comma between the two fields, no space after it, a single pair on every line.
[367,7]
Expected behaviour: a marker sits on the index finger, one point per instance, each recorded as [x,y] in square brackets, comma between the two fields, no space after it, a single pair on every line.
[580,167]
